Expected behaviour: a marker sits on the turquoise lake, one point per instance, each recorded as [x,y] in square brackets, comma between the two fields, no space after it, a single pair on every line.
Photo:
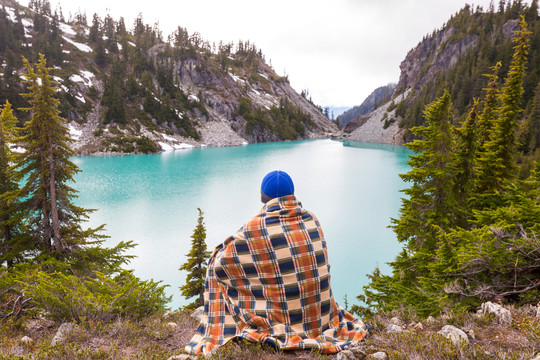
[353,188]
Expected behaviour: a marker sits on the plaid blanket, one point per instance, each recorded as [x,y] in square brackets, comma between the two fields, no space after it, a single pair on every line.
[270,283]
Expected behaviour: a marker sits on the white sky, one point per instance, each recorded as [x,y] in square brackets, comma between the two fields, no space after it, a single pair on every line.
[340,50]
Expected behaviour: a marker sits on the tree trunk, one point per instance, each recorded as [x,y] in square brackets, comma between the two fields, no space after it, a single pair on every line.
[46,231]
[58,242]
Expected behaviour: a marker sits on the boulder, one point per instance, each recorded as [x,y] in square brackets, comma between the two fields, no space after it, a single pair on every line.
[455,335]
[503,316]
[358,352]
[345,355]
[392,328]
[396,321]
[169,314]
[182,357]
[63,331]
[377,356]
[537,357]
[26,340]
[418,327]
[198,313]
[430,320]
[172,325]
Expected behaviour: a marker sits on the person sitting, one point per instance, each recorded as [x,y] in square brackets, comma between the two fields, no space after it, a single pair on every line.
[270,282]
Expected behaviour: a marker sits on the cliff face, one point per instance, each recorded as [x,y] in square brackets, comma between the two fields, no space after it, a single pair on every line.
[432,55]
[131,91]
[452,58]
[221,92]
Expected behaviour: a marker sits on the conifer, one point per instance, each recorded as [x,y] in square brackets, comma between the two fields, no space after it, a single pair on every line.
[53,221]
[498,163]
[10,214]
[196,265]
[490,104]
[465,160]
[430,203]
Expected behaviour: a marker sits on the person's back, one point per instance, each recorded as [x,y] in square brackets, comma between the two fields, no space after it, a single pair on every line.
[270,282]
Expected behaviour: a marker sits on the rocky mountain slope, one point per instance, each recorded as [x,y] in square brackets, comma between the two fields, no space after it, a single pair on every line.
[455,57]
[378,97]
[133,91]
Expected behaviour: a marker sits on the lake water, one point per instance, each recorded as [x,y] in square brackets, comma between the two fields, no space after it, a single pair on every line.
[353,189]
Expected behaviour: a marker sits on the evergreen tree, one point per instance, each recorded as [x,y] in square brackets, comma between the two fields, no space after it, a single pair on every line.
[54,222]
[490,105]
[498,162]
[449,263]
[430,203]
[465,159]
[10,215]
[196,265]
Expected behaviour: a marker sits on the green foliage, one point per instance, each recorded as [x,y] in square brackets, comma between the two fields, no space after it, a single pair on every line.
[498,162]
[96,297]
[469,226]
[54,265]
[285,120]
[195,265]
[128,144]
[464,80]
[12,237]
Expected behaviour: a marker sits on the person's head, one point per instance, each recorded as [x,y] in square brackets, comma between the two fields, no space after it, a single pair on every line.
[275,184]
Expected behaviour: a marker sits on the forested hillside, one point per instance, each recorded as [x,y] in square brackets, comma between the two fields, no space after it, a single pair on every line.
[469,224]
[458,57]
[130,88]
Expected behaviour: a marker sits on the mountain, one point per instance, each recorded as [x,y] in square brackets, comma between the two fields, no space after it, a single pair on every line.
[378,97]
[456,57]
[134,91]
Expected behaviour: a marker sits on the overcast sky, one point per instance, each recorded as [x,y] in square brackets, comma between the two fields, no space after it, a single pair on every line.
[339,50]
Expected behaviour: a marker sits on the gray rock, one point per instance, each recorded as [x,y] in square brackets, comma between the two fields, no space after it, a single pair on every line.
[430,320]
[198,313]
[396,321]
[538,310]
[392,328]
[182,357]
[359,354]
[377,356]
[169,314]
[172,325]
[26,340]
[345,355]
[537,357]
[454,334]
[63,331]
[503,316]
[418,327]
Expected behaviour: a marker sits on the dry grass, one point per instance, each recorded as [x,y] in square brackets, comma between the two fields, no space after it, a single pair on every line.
[155,337]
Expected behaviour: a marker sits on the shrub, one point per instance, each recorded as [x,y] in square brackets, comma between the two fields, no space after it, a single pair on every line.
[64,296]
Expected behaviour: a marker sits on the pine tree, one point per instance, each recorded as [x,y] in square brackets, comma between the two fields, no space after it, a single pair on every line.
[196,265]
[430,204]
[54,221]
[498,163]
[490,105]
[10,215]
[465,160]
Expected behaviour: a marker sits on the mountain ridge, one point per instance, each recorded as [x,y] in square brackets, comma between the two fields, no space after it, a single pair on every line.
[455,57]
[131,91]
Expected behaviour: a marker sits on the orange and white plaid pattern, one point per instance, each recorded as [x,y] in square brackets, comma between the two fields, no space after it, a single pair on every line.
[270,283]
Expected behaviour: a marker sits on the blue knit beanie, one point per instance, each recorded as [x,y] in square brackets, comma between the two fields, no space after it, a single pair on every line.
[277,183]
